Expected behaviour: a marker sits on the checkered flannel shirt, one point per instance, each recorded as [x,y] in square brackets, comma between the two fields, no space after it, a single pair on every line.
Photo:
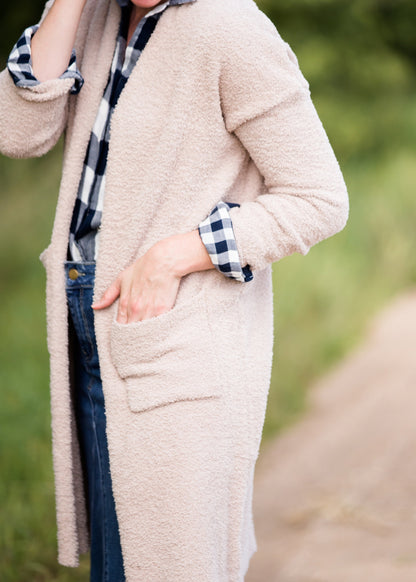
[216,231]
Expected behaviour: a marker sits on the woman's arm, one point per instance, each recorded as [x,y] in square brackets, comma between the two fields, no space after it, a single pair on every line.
[54,41]
[33,115]
[267,105]
[306,199]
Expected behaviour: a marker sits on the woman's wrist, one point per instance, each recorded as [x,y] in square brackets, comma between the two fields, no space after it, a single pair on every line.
[183,254]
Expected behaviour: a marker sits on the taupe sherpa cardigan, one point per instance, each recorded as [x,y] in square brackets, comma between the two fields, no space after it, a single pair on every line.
[216,108]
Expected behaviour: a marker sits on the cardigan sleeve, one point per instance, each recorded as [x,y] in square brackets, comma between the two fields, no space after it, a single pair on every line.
[266,103]
[32,118]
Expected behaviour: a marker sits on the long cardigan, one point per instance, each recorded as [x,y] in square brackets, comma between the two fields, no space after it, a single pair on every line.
[216,108]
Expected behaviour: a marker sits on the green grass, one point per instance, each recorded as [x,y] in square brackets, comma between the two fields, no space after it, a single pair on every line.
[323,303]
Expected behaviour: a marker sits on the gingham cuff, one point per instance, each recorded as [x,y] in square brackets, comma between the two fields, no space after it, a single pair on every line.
[217,234]
[19,64]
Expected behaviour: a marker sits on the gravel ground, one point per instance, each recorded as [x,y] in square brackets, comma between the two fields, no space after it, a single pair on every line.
[335,496]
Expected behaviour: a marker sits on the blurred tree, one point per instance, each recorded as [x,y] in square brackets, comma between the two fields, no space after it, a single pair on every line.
[359,58]
[349,28]
[390,22]
[397,20]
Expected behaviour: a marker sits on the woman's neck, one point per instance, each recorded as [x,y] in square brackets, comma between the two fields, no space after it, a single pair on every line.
[135,17]
[136,14]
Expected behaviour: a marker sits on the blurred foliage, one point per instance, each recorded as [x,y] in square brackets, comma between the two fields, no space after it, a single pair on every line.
[360,53]
[350,26]
[359,58]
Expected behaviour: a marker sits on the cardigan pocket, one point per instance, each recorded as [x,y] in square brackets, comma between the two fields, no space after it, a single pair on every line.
[167,358]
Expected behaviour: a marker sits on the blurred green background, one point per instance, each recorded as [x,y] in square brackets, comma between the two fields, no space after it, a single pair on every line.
[359,57]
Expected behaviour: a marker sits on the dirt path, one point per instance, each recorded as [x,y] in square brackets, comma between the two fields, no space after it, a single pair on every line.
[335,496]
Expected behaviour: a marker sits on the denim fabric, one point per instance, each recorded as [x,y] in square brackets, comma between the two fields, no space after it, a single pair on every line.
[106,556]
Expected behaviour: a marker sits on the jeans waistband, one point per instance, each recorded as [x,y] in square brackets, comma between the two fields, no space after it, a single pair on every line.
[79,274]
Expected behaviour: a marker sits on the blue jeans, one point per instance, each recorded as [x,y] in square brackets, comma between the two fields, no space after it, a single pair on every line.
[106,556]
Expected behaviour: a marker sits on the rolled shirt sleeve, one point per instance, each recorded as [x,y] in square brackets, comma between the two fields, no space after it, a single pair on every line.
[20,64]
[217,234]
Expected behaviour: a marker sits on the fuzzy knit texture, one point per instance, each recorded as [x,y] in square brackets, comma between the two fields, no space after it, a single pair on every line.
[218,102]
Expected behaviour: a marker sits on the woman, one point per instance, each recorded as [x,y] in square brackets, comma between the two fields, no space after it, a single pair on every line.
[190,168]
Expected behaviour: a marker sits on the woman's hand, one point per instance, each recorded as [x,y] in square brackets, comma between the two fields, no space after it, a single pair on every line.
[149,286]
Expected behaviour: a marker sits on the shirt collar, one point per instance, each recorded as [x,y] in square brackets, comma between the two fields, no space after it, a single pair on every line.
[123,3]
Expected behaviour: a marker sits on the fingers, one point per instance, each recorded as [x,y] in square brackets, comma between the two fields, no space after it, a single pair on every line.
[124,305]
[109,296]
[137,304]
[144,290]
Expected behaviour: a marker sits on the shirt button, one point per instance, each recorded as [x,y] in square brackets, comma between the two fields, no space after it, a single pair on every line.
[73,274]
